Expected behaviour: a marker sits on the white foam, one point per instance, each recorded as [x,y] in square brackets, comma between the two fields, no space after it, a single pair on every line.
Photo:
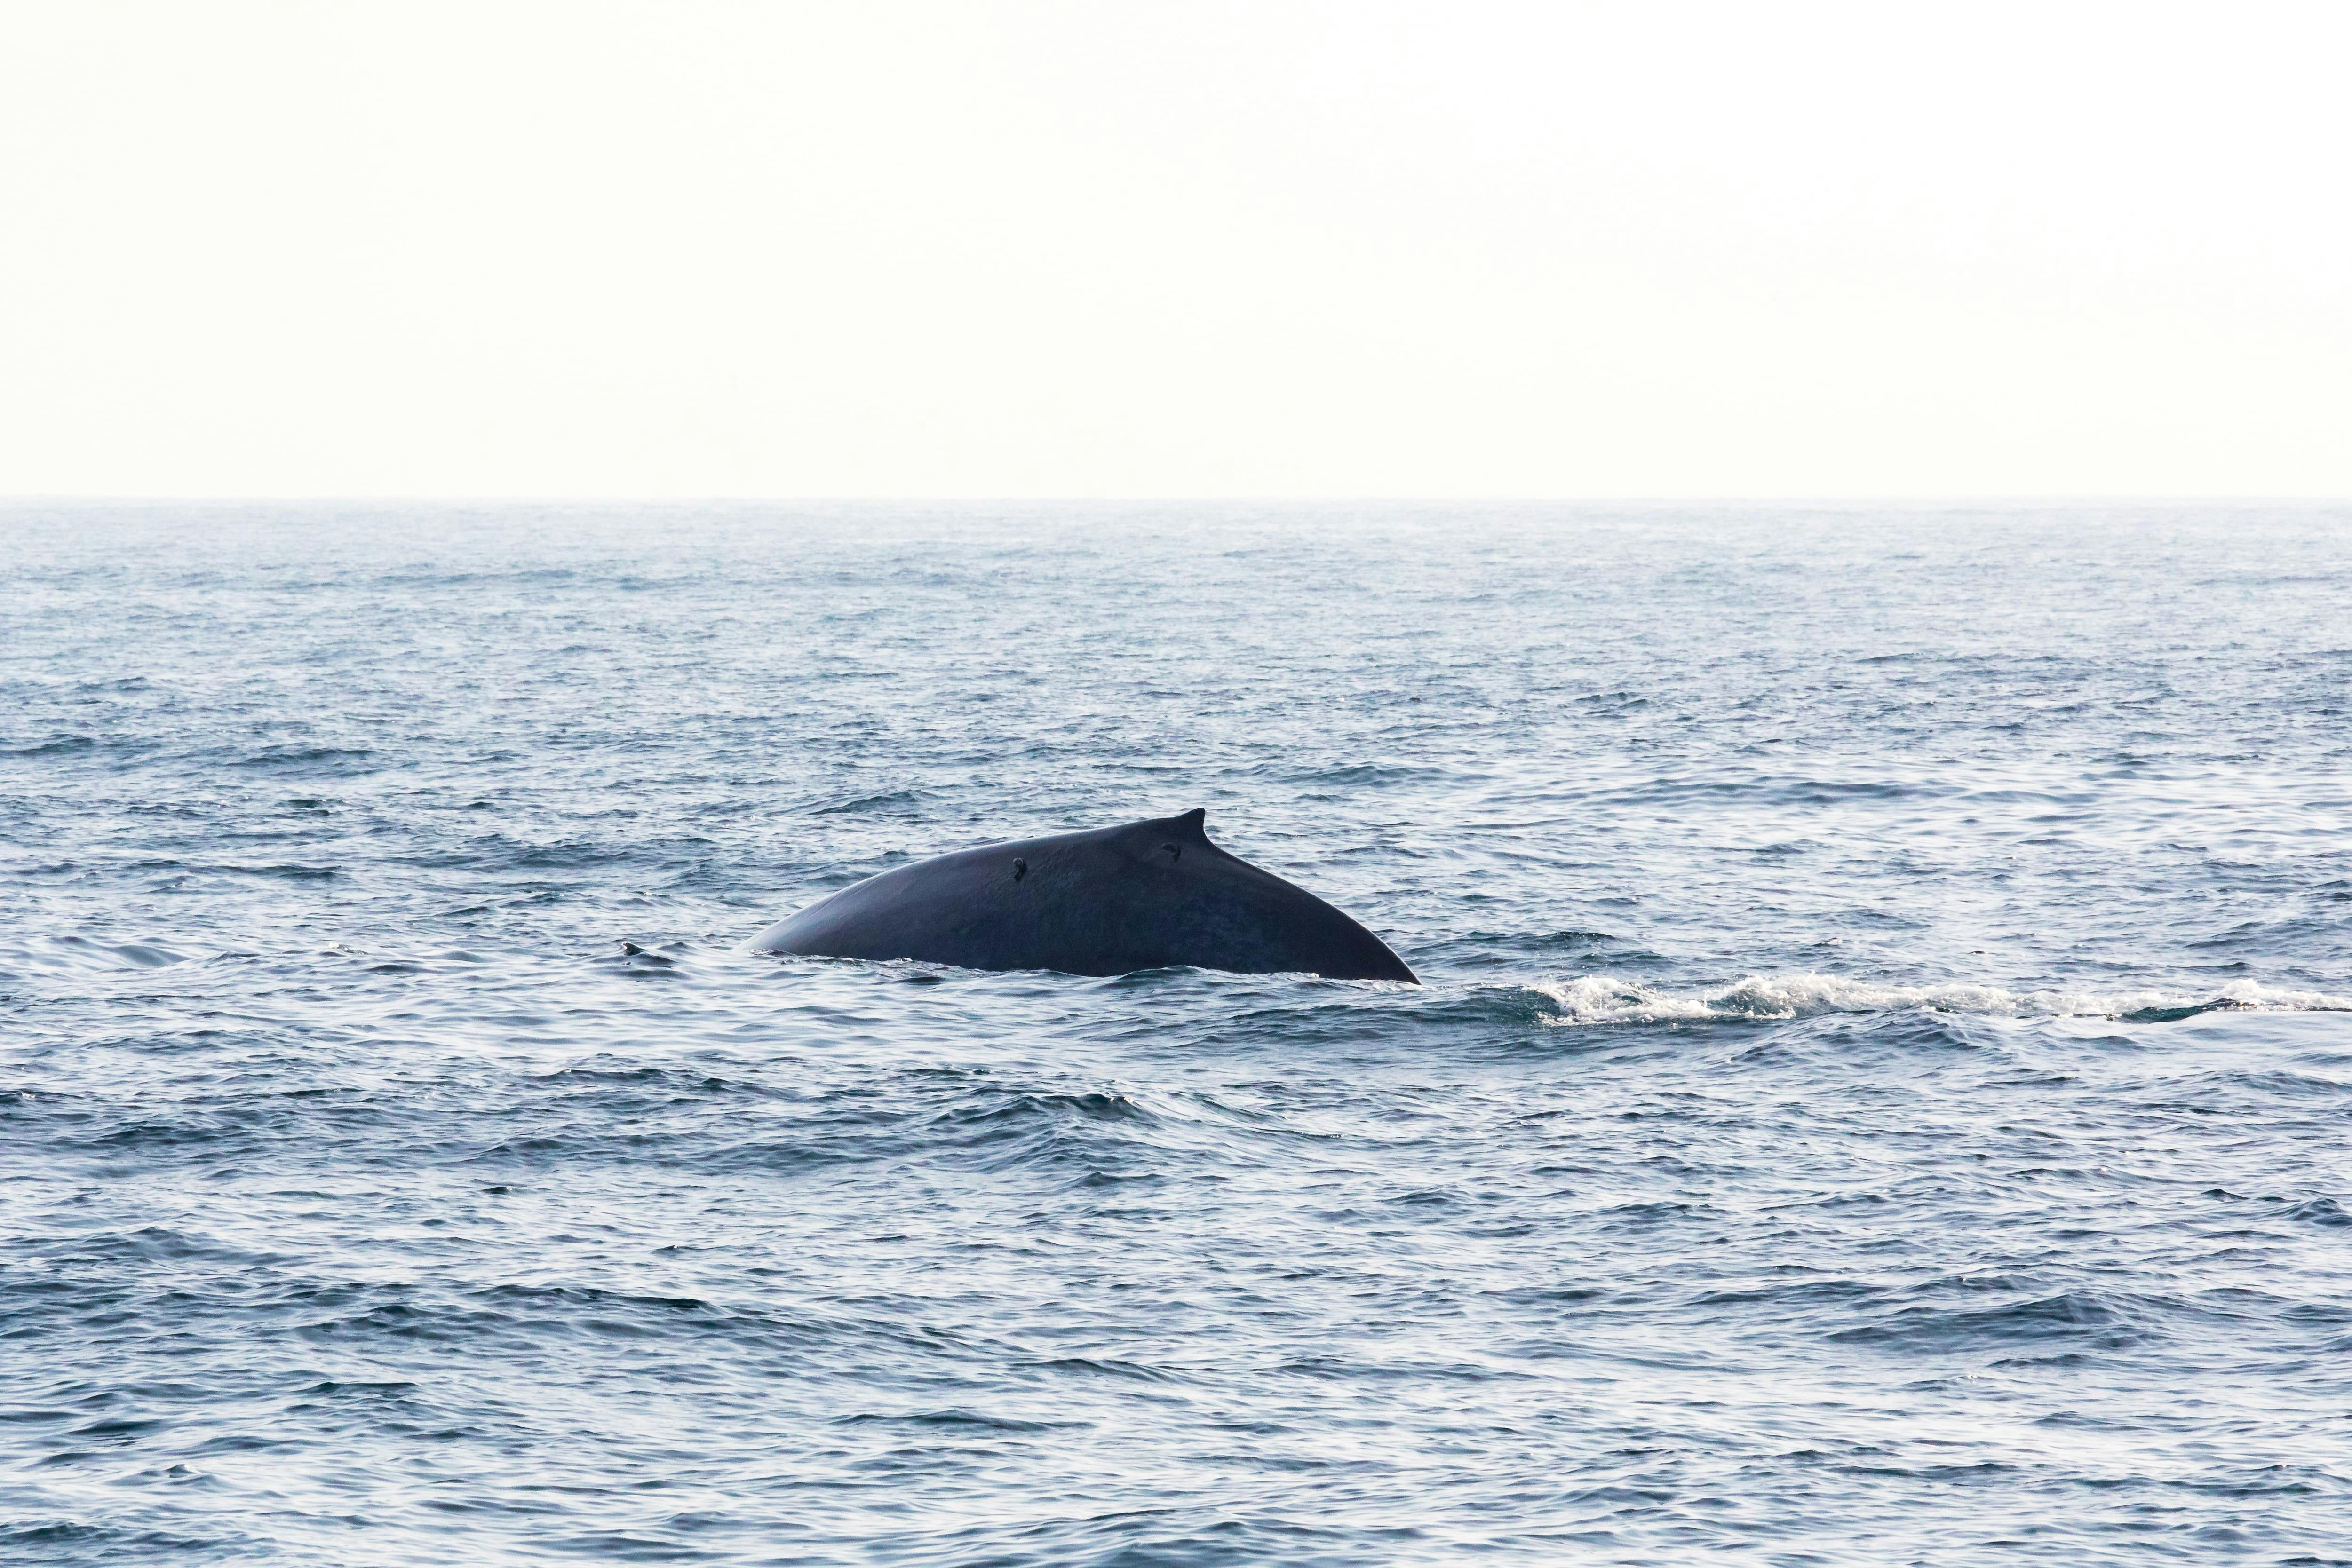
[1606,998]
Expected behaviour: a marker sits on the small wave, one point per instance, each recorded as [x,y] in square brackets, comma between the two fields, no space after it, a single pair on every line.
[978,1420]
[896,803]
[300,756]
[1092,1105]
[2084,1315]
[1365,775]
[1607,998]
[83,952]
[56,746]
[641,963]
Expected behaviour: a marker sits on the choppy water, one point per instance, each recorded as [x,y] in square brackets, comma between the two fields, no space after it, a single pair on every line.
[1882,1095]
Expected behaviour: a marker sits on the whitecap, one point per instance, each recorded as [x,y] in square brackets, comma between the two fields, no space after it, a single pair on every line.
[1606,998]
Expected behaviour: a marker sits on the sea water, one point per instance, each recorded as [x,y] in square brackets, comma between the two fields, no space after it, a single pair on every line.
[1882,1091]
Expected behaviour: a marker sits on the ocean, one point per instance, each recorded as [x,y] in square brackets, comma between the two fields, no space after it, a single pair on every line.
[1882,1091]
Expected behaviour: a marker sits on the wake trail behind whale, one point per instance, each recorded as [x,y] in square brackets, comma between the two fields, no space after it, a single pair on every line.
[1777,997]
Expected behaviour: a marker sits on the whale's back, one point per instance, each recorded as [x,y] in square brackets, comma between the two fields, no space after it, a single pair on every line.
[1151,894]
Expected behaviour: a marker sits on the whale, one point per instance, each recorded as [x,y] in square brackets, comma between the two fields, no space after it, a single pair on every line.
[1153,894]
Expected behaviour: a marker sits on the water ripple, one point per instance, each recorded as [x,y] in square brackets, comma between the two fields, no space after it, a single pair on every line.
[1880,1094]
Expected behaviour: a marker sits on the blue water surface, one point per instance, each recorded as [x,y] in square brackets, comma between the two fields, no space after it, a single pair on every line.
[1882,1094]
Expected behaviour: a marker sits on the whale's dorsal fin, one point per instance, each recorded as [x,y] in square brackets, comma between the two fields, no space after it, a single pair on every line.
[1185,828]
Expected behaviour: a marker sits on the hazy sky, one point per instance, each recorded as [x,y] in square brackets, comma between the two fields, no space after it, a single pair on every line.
[1116,249]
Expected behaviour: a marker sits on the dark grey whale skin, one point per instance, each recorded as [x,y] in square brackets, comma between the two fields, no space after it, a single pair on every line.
[1150,895]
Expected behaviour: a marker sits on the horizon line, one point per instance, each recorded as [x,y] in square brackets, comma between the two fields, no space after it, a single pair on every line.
[1898,498]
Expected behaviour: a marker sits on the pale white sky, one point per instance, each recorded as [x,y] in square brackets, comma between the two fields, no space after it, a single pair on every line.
[1368,248]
